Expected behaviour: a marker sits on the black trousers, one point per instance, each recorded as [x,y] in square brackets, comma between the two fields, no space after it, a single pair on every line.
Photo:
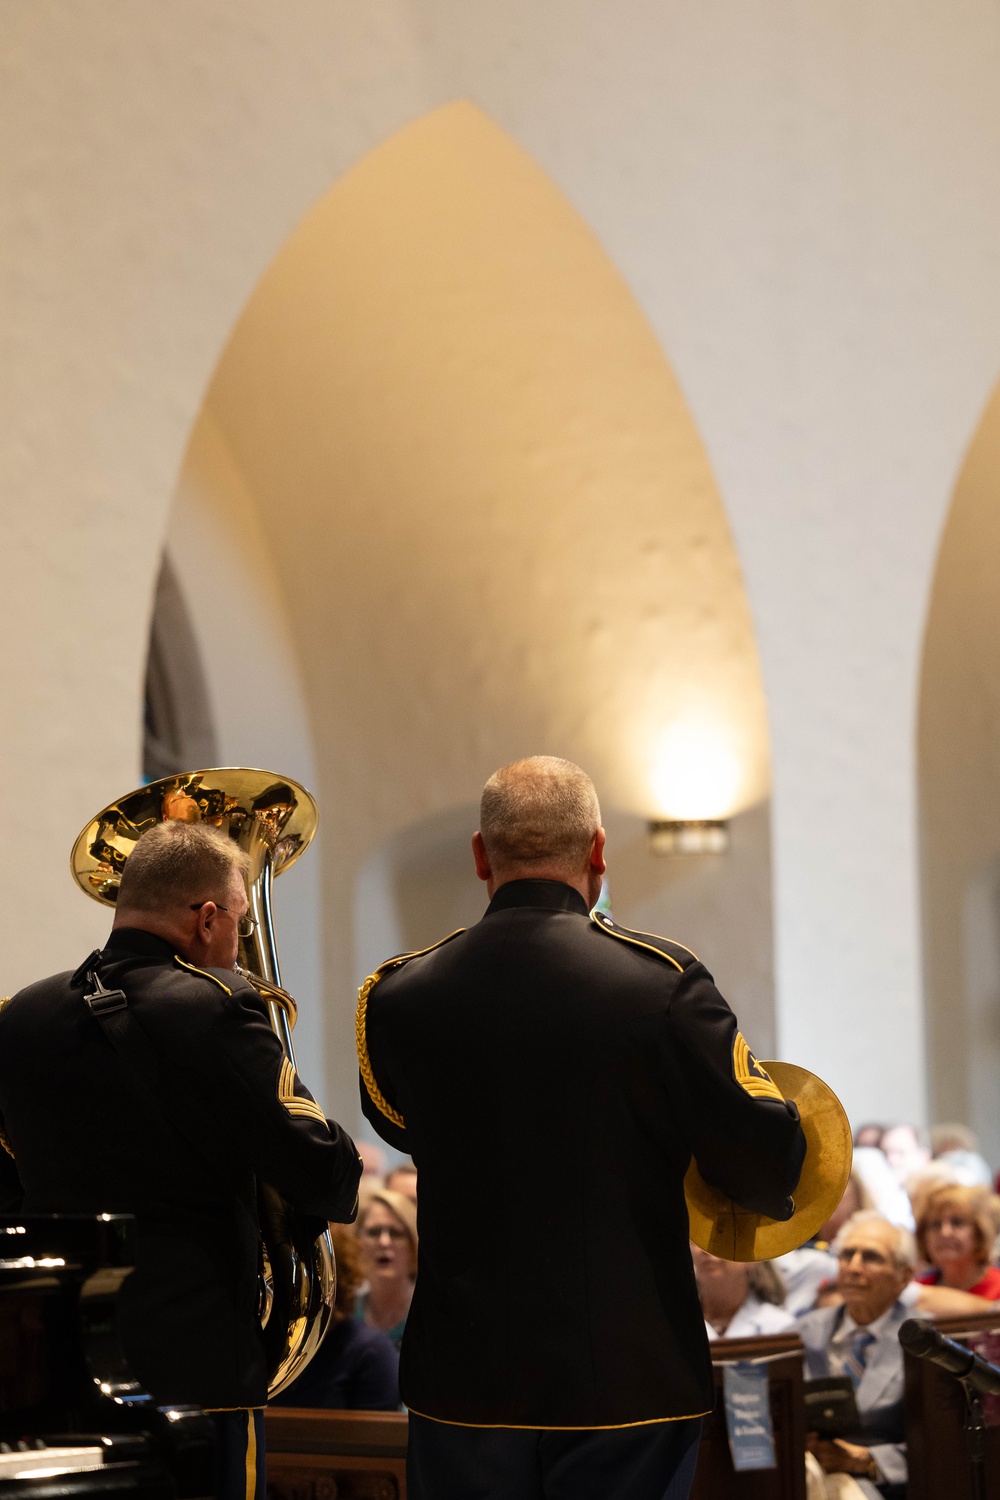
[239,1454]
[655,1461]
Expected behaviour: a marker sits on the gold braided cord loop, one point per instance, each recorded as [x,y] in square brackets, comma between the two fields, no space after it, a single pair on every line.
[376,1095]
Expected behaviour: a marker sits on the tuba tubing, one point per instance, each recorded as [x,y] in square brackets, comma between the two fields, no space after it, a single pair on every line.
[273,819]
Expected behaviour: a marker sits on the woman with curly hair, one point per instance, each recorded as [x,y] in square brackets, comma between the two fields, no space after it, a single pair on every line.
[956,1229]
[356,1368]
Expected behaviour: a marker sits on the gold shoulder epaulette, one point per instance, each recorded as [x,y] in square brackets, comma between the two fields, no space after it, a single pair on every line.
[364,1062]
[662,947]
[203,972]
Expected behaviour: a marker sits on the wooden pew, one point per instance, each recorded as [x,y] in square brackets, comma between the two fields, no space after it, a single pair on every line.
[348,1455]
[935,1412]
[716,1479]
[335,1455]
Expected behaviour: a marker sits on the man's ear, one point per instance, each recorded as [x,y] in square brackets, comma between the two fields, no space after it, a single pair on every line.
[483,867]
[596,860]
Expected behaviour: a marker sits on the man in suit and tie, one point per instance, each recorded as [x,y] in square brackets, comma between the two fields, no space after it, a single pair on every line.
[860,1339]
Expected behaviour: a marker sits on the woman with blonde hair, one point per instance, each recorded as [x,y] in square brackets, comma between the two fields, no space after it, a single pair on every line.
[955,1234]
[387,1233]
[356,1368]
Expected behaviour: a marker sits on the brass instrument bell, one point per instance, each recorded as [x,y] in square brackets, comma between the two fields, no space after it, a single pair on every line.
[723,1228]
[273,819]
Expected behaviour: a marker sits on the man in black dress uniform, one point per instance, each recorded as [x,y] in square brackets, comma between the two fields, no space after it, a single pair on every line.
[76,1135]
[555,1345]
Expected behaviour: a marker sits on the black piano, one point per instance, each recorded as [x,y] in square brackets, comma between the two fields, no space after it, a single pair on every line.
[73,1420]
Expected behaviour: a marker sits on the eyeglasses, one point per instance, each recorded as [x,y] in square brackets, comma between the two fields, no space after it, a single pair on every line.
[376,1231]
[868,1257]
[245,926]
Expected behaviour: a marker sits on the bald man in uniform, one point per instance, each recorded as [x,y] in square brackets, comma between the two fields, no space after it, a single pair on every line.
[555,1345]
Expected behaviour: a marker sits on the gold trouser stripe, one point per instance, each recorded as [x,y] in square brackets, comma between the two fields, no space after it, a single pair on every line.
[541,1427]
[251,1457]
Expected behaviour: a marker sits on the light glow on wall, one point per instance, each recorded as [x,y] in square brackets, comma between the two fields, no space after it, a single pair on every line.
[696,773]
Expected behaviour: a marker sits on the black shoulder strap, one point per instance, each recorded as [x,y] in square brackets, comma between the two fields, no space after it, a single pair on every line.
[138,1058]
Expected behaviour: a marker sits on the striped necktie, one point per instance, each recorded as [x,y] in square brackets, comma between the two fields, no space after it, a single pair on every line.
[857,1358]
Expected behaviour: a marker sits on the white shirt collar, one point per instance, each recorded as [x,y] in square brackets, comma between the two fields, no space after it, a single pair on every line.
[848,1327]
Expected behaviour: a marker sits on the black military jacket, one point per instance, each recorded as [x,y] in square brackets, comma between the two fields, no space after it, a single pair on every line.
[551,1077]
[77,1139]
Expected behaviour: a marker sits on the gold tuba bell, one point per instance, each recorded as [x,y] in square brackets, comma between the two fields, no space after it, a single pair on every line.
[273,819]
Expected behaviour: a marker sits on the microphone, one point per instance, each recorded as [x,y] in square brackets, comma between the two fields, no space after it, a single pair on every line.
[923,1340]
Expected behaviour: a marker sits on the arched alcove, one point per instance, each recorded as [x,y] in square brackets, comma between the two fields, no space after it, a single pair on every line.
[493,531]
[226,615]
[178,733]
[959,760]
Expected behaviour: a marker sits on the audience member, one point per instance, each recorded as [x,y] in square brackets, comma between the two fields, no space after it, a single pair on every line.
[860,1339]
[905,1150]
[403,1179]
[883,1187]
[373,1164]
[952,1137]
[955,1234]
[356,1368]
[739,1301]
[811,1268]
[387,1233]
[869,1135]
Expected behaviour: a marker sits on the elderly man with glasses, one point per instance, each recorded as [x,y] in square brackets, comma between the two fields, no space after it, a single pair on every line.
[860,1339]
[83,1131]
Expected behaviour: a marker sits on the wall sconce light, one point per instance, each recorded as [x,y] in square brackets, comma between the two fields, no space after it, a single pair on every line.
[689,836]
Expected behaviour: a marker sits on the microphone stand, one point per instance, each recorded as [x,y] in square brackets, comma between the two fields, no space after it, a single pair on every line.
[975,1439]
[974,1374]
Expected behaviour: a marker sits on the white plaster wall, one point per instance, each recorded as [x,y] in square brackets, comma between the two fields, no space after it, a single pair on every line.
[802,197]
[221,558]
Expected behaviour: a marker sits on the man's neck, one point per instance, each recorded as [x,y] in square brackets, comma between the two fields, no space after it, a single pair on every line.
[145,921]
[576,881]
[865,1316]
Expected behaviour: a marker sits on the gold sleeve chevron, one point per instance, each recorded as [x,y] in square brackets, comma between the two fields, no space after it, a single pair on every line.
[303,1108]
[750,1075]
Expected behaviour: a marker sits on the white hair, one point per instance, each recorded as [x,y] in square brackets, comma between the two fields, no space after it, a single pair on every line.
[904,1249]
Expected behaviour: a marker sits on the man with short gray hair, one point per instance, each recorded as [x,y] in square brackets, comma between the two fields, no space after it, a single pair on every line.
[860,1339]
[555,1344]
[81,1130]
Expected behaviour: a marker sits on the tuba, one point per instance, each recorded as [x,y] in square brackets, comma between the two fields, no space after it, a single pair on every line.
[272,819]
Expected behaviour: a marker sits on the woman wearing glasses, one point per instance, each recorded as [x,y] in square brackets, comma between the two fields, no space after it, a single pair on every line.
[956,1230]
[387,1232]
